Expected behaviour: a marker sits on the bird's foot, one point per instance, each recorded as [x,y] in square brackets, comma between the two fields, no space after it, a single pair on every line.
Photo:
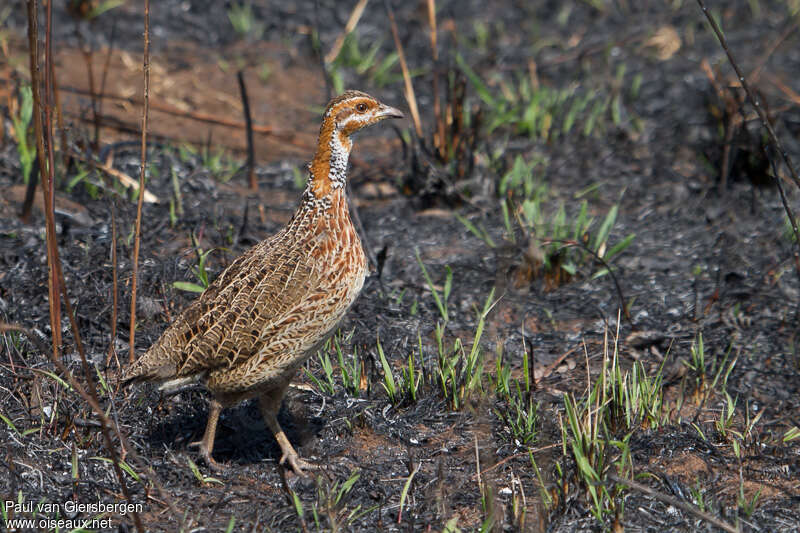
[206,455]
[297,463]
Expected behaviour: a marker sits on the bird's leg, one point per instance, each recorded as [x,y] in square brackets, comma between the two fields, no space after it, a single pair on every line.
[270,404]
[206,445]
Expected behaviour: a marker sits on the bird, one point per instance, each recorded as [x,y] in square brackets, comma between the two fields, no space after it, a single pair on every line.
[274,306]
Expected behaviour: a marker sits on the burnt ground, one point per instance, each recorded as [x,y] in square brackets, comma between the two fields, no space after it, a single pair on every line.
[710,256]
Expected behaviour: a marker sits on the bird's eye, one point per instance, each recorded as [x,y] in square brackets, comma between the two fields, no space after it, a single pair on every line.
[361,107]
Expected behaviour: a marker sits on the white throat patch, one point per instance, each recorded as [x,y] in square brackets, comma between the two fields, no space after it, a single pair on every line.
[340,153]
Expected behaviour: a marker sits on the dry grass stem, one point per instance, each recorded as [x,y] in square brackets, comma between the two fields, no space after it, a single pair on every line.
[138,234]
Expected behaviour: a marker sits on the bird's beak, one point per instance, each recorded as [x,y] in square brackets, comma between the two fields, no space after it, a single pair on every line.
[389,112]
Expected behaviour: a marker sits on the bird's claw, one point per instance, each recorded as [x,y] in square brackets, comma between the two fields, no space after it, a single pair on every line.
[297,463]
[206,456]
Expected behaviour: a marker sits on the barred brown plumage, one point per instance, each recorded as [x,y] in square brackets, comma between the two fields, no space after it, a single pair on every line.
[275,305]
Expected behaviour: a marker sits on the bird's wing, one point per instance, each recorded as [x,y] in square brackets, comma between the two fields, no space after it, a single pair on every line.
[166,356]
[227,324]
[222,327]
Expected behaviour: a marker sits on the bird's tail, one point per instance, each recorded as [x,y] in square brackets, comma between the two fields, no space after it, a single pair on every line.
[148,367]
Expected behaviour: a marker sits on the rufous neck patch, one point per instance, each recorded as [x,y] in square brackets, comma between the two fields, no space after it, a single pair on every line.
[329,167]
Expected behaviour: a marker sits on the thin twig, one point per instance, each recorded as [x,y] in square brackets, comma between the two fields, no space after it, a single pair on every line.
[478,465]
[192,115]
[86,51]
[691,509]
[46,174]
[48,116]
[112,347]
[107,63]
[351,24]
[59,115]
[248,122]
[790,28]
[516,455]
[121,177]
[108,121]
[549,368]
[531,371]
[32,337]
[401,56]
[138,235]
[439,137]
[751,95]
[785,89]
[30,191]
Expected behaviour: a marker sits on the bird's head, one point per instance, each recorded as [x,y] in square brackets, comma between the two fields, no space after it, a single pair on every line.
[345,115]
[353,110]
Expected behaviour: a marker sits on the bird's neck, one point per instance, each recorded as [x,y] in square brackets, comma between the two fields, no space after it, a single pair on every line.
[328,169]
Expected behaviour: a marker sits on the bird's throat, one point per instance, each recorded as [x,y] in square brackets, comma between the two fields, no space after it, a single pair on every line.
[329,167]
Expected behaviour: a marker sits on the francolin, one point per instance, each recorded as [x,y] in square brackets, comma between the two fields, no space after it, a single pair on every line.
[275,305]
